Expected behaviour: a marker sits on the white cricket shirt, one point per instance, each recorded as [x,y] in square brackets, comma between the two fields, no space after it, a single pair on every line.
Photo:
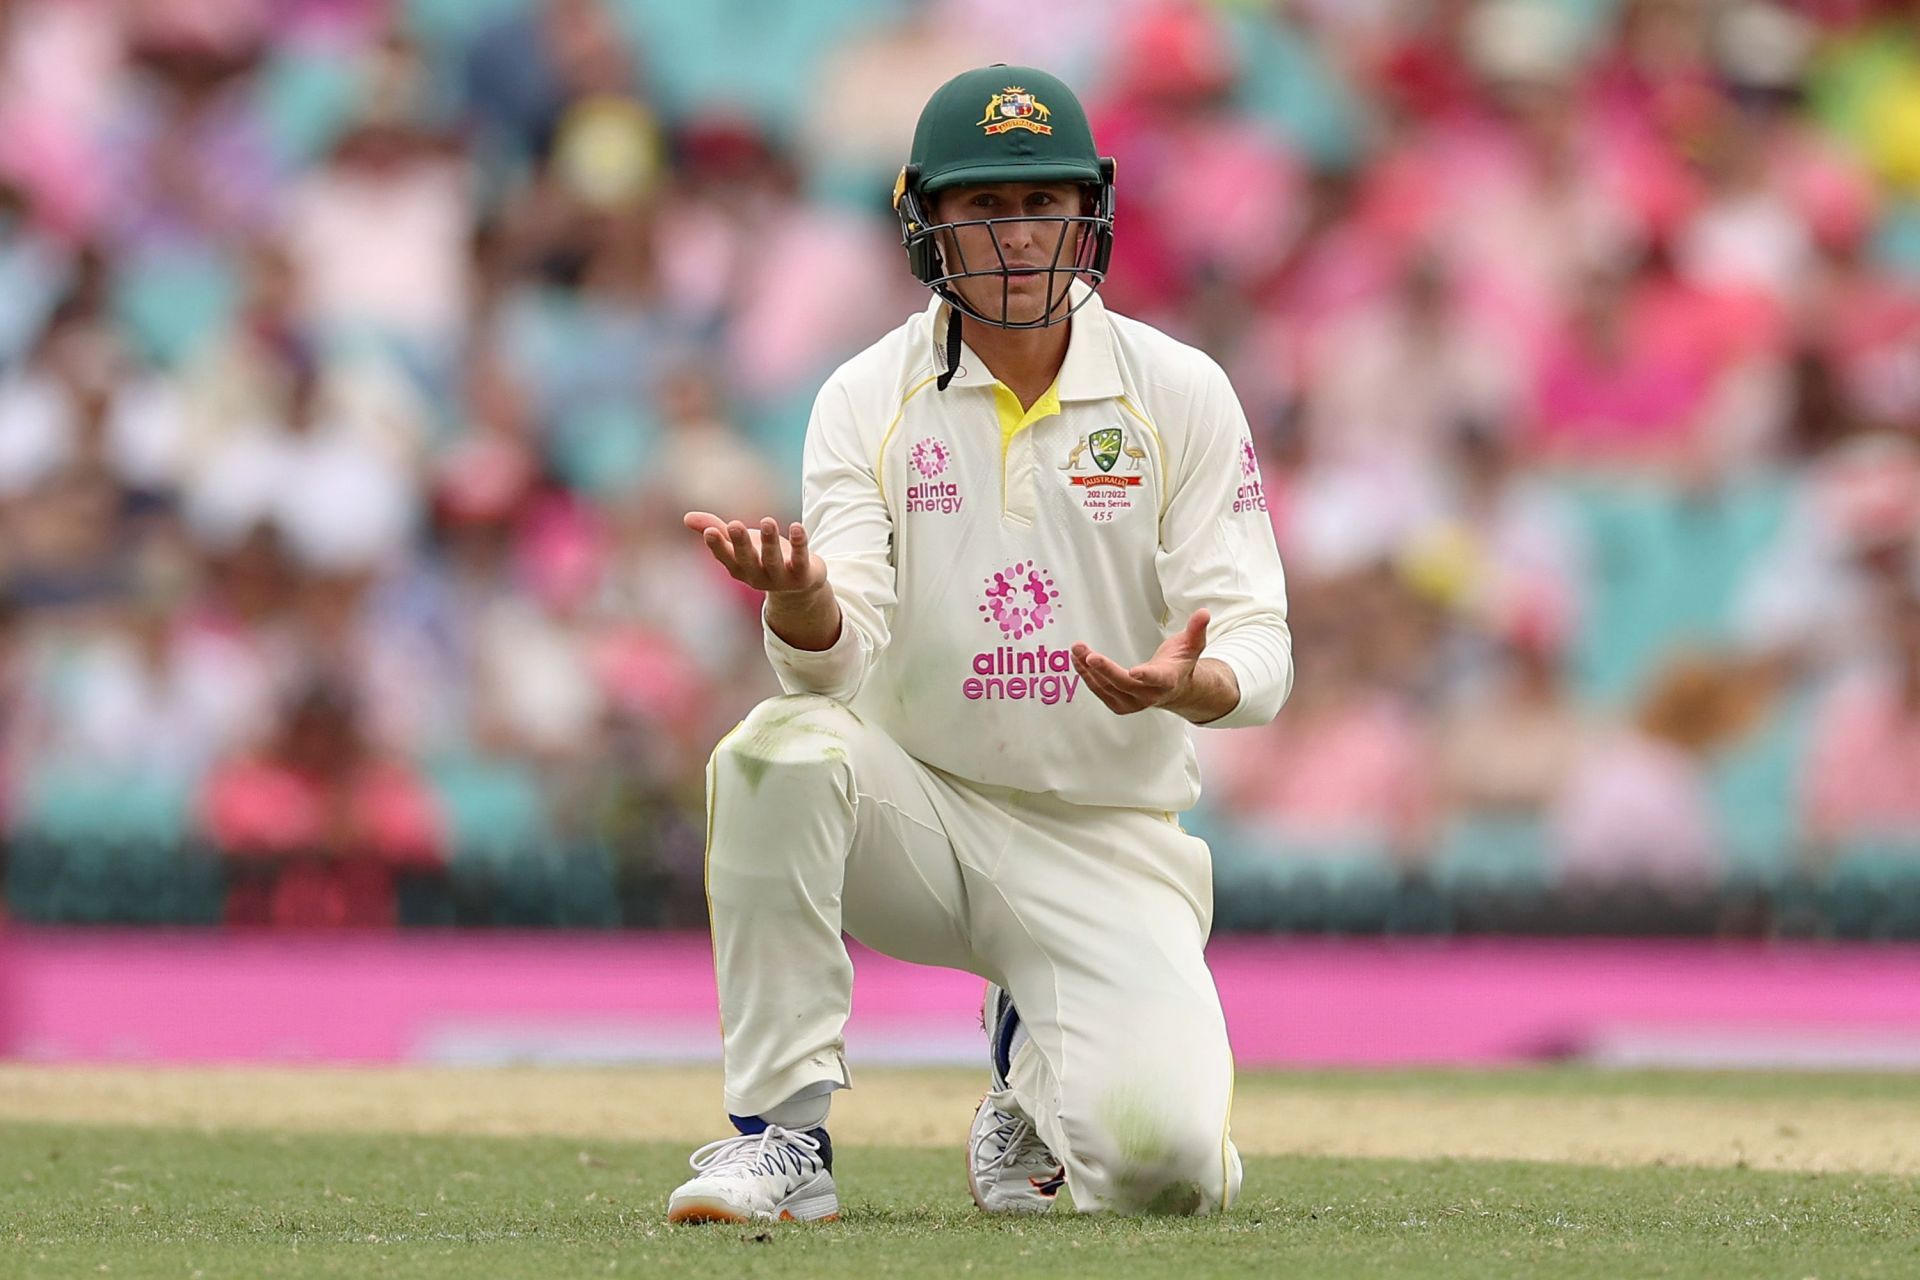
[970,543]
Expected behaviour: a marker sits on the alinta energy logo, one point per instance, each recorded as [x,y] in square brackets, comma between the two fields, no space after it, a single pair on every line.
[1021,600]
[1252,495]
[930,457]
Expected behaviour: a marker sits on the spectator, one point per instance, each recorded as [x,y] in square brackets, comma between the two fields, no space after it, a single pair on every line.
[1860,781]
[1847,541]
[1513,746]
[318,828]
[1397,377]
[1346,770]
[1636,811]
[1608,395]
[239,377]
[527,67]
[188,161]
[145,694]
[33,271]
[379,235]
[336,489]
[64,538]
[78,400]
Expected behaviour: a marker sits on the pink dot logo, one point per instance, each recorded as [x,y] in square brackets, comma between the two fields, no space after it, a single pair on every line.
[930,457]
[1249,464]
[1020,600]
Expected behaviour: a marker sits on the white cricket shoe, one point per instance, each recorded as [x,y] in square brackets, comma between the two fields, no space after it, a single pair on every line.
[776,1175]
[1009,1169]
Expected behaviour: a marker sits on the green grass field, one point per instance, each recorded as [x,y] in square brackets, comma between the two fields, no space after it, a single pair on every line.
[143,1200]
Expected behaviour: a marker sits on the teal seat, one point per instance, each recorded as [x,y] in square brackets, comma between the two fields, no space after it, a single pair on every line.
[489,807]
[1206,821]
[1303,886]
[424,901]
[1287,80]
[198,889]
[697,62]
[1621,631]
[1665,570]
[100,848]
[83,891]
[32,878]
[525,890]
[1872,887]
[1491,853]
[112,880]
[1755,788]
[1360,890]
[141,881]
[604,450]
[305,98]
[171,304]
[585,895]
[1896,244]
[71,804]
[452,24]
[778,429]
[498,840]
[1717,538]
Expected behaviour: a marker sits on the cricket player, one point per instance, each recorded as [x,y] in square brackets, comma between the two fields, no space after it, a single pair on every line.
[1034,545]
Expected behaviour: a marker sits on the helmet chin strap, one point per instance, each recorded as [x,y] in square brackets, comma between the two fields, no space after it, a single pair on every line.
[953,349]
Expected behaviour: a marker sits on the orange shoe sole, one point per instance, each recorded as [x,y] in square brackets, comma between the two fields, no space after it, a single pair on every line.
[714,1213]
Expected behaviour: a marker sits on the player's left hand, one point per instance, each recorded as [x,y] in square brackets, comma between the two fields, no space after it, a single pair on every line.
[1163,679]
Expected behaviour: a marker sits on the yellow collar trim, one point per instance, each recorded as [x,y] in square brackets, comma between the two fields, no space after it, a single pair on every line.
[1014,419]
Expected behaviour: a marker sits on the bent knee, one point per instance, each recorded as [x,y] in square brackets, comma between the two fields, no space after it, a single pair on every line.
[1131,1160]
[800,728]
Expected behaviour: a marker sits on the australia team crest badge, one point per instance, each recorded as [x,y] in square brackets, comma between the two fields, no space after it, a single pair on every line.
[1105,470]
[1014,108]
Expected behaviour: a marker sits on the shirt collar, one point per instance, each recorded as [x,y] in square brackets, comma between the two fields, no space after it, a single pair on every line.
[1089,371]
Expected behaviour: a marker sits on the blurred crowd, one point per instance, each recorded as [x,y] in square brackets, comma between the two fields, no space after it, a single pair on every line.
[358,358]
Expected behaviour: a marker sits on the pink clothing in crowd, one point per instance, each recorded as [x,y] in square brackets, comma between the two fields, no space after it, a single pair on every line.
[1642,406]
[1636,811]
[1864,775]
[1355,772]
[308,852]
[262,809]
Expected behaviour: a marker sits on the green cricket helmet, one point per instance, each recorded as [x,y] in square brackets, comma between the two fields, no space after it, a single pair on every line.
[1004,124]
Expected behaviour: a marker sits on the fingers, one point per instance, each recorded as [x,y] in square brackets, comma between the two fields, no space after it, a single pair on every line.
[711,529]
[1144,680]
[758,557]
[1123,691]
[1197,629]
[732,544]
[1107,670]
[742,539]
[773,559]
[1095,682]
[797,543]
[715,538]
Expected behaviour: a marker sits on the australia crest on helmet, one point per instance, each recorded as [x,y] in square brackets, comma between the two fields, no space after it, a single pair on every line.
[1015,108]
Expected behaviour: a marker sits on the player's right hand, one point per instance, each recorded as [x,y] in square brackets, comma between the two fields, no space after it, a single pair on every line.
[760,557]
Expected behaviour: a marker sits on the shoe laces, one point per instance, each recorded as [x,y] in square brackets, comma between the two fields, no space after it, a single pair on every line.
[1019,1143]
[773,1150]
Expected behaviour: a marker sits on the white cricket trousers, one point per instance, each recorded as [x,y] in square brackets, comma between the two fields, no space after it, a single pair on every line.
[1093,918]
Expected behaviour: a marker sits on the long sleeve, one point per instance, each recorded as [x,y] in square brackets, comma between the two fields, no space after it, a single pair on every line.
[1217,553]
[851,529]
